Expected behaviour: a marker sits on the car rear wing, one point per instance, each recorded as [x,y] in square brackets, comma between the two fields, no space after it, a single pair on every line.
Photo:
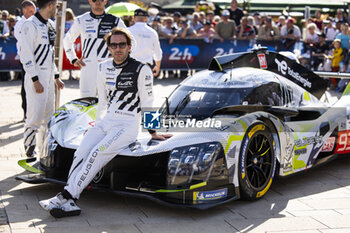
[263,59]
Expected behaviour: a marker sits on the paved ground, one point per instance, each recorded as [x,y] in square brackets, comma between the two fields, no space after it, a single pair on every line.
[317,201]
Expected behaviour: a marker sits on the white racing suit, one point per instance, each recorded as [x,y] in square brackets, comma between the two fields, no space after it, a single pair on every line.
[92,29]
[37,56]
[122,91]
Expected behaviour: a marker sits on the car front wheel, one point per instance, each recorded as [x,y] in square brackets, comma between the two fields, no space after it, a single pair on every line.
[257,161]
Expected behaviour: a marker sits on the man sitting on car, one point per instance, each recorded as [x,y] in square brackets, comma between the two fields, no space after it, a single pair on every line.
[124,88]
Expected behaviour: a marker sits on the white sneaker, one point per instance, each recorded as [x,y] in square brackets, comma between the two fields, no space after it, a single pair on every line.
[67,209]
[53,202]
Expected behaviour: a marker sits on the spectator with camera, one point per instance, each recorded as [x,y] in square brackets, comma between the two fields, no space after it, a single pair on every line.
[268,31]
[185,31]
[245,31]
[207,32]
[290,34]
[169,31]
[195,24]
[320,52]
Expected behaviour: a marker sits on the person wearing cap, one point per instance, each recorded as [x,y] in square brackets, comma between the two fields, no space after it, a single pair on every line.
[177,17]
[147,42]
[245,31]
[157,26]
[185,31]
[256,17]
[207,32]
[329,30]
[236,13]
[320,51]
[195,24]
[210,16]
[268,31]
[226,28]
[290,33]
[281,22]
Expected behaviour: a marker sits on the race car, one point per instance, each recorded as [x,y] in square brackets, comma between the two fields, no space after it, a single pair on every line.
[246,119]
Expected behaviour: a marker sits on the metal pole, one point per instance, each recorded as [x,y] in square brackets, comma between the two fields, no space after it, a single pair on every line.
[333,74]
[60,27]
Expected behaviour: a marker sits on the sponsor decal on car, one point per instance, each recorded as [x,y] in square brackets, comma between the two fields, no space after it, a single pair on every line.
[209,195]
[343,145]
[243,156]
[256,128]
[328,145]
[262,61]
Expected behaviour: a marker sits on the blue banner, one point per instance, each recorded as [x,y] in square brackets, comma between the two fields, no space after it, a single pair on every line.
[195,52]
[8,55]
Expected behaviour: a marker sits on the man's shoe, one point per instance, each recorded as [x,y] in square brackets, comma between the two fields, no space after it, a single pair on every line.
[54,202]
[67,209]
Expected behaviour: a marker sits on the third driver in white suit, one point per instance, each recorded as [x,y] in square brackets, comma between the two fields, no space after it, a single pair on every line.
[92,27]
[147,42]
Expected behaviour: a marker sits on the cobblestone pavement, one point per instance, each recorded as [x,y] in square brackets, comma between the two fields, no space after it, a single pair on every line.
[316,201]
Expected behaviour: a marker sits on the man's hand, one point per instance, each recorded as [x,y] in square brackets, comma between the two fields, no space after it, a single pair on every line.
[79,63]
[160,136]
[38,87]
[59,83]
[155,71]
[156,68]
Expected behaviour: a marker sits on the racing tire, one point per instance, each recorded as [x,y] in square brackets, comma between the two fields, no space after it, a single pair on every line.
[257,161]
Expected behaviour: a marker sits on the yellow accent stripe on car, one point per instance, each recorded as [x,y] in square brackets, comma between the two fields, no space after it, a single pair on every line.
[231,139]
[28,167]
[347,90]
[90,110]
[261,193]
[218,63]
[181,190]
[306,96]
[256,128]
[244,125]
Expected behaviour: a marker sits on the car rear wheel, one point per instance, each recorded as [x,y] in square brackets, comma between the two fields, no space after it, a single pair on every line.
[257,161]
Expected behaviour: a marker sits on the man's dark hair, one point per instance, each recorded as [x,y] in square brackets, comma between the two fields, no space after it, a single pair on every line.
[43,3]
[26,3]
[118,31]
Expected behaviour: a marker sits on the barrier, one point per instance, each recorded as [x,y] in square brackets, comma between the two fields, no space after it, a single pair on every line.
[181,54]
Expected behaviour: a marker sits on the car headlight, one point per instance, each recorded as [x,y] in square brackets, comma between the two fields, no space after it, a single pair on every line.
[190,163]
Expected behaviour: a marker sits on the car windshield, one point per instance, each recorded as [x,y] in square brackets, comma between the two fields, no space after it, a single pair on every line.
[200,103]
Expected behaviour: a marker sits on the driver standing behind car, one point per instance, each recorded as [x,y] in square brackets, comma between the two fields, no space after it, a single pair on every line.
[92,27]
[124,88]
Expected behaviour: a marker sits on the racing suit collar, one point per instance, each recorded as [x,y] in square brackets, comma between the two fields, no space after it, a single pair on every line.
[118,66]
[97,16]
[40,18]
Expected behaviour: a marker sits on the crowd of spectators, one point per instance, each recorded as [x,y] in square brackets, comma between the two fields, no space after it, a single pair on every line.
[320,34]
